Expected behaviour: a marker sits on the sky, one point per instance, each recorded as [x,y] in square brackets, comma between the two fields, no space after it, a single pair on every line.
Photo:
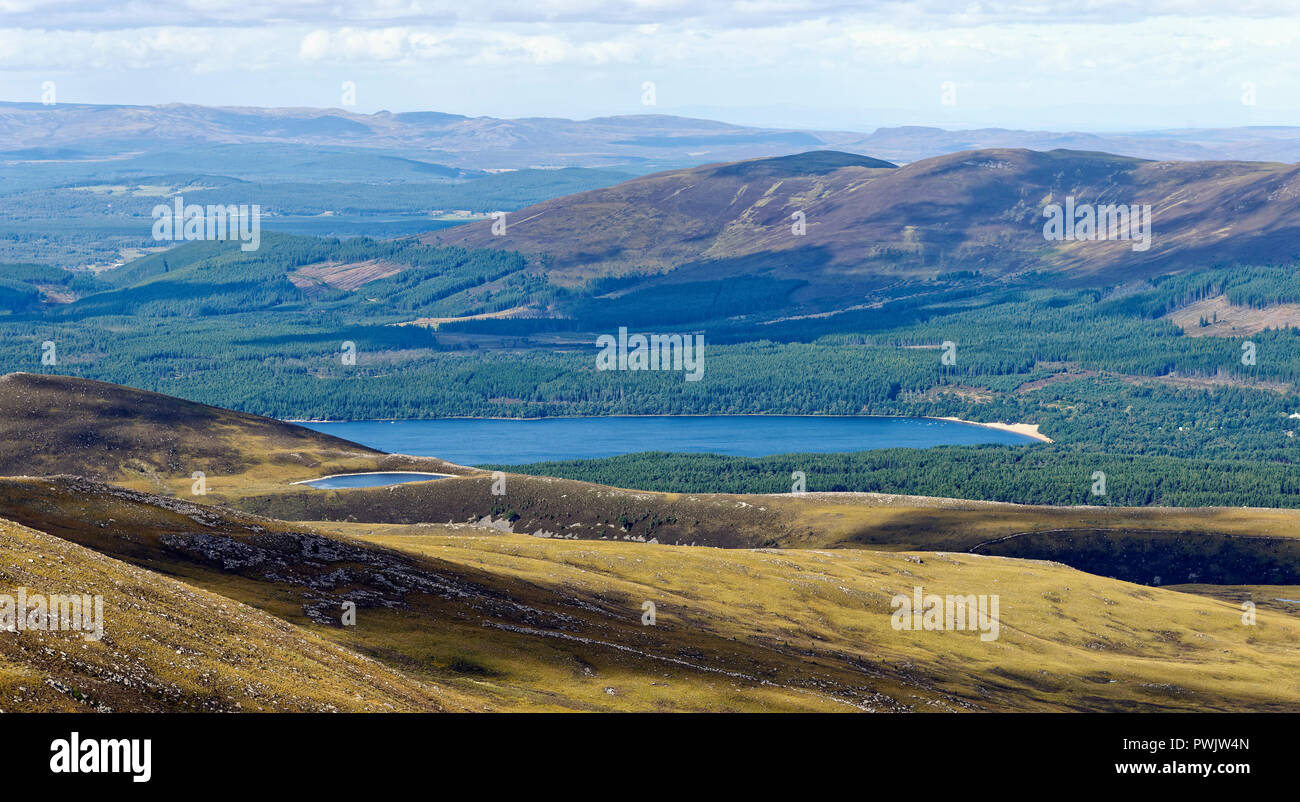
[1094,65]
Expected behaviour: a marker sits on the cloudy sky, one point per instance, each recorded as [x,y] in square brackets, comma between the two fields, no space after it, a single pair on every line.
[1078,64]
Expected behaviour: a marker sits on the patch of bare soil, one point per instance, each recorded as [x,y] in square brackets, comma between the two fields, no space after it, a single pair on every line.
[1209,382]
[1227,320]
[1069,374]
[517,311]
[978,395]
[347,276]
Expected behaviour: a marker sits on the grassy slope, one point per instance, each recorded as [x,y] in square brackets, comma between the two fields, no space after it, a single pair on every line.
[1069,640]
[428,618]
[571,509]
[172,647]
[61,424]
[519,623]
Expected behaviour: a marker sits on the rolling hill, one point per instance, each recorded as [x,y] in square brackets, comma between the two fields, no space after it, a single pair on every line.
[868,225]
[169,646]
[786,240]
[457,612]
[1220,546]
[65,425]
[496,621]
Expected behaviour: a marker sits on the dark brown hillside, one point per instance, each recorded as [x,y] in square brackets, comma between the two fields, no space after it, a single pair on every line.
[661,221]
[972,210]
[62,424]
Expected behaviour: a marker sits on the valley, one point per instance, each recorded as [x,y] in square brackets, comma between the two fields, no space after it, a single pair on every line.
[733,543]
[534,598]
[486,620]
[375,376]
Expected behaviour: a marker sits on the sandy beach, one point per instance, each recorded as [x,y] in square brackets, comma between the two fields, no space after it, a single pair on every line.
[1027,429]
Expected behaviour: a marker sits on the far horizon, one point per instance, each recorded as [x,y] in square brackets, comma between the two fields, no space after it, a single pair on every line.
[35,136]
[717,115]
[824,67]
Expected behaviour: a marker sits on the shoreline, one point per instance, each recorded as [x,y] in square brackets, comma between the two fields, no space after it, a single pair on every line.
[1029,430]
[376,473]
[1026,429]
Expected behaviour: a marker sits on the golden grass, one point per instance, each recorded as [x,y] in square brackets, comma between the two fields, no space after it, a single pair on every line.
[169,646]
[1068,640]
[500,621]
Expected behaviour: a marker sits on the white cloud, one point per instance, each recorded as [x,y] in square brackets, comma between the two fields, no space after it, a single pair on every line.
[580,54]
[708,14]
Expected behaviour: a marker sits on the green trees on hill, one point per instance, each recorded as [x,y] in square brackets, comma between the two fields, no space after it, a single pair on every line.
[1103,372]
[1046,474]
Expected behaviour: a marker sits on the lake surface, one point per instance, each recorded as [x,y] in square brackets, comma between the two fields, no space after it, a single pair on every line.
[370,479]
[477,441]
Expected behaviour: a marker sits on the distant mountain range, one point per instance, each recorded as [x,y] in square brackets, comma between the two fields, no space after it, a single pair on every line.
[30,131]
